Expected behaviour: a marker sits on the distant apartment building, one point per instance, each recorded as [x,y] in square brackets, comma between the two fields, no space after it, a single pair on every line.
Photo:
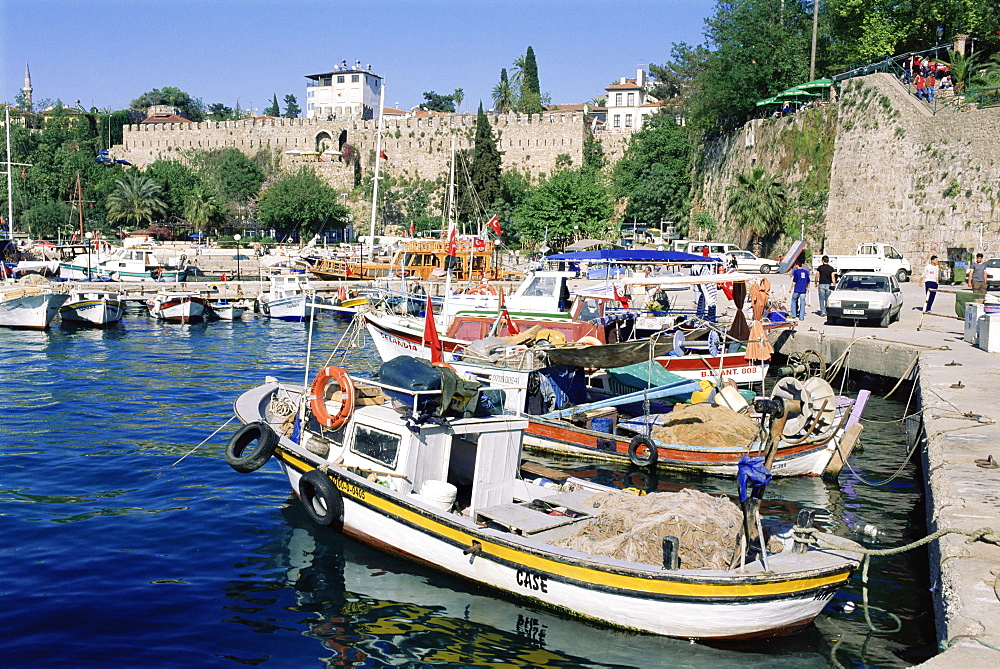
[629,103]
[343,93]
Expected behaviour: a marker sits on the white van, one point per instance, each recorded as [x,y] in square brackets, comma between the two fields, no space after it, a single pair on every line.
[715,249]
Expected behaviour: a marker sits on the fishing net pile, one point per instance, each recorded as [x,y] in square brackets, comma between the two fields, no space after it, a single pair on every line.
[706,425]
[629,527]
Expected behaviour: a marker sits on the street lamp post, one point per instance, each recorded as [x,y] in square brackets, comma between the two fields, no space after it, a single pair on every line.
[237,238]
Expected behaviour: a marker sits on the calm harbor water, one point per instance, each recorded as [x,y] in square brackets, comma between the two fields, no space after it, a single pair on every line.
[113,555]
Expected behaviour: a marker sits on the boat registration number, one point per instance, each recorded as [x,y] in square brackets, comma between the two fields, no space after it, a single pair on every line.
[854,312]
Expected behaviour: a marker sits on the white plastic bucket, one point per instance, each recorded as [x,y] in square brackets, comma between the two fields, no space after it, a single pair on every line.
[440,494]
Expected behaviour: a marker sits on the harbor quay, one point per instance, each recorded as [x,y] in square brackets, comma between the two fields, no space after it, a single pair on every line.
[955,392]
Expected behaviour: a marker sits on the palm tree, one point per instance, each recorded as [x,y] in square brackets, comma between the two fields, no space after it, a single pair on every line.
[517,74]
[757,204]
[201,208]
[458,96]
[136,199]
[503,94]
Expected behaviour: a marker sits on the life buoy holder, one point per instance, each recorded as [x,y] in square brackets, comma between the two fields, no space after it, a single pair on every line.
[318,402]
[642,451]
[589,341]
[322,501]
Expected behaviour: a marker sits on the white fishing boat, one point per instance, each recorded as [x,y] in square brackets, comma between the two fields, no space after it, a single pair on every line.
[129,264]
[30,305]
[442,487]
[225,310]
[177,307]
[93,307]
[289,298]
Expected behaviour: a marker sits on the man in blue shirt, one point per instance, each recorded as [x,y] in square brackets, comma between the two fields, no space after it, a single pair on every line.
[800,284]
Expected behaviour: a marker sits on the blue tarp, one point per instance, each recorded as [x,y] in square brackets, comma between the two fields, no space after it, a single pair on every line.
[633,255]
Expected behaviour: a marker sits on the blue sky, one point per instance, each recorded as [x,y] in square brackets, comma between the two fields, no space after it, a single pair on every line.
[108,52]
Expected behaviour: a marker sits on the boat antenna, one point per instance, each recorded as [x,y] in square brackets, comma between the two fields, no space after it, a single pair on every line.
[378,167]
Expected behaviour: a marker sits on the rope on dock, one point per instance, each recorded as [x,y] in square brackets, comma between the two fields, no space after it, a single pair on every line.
[231,419]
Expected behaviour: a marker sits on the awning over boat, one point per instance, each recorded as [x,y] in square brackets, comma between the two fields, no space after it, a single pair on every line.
[730,277]
[633,255]
[587,244]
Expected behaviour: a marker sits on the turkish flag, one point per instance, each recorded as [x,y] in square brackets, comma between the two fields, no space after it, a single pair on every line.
[413,229]
[431,338]
[452,242]
[494,223]
[620,298]
[381,154]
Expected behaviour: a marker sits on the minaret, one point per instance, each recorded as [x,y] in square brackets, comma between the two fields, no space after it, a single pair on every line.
[27,87]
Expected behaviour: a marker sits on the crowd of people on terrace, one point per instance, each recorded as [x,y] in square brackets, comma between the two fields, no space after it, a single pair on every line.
[927,76]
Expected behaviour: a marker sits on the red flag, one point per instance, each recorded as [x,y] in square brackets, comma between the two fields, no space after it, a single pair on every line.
[480,244]
[431,338]
[620,298]
[381,154]
[452,242]
[494,223]
[512,328]
[413,229]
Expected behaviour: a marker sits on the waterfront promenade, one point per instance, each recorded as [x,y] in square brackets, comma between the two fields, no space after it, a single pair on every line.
[957,391]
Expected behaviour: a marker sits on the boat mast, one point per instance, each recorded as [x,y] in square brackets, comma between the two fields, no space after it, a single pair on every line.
[378,165]
[10,185]
[451,227]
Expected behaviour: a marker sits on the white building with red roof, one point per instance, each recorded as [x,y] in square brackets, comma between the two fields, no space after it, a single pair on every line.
[629,103]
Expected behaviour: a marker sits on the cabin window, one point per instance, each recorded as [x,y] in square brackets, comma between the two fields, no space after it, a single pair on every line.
[541,286]
[377,445]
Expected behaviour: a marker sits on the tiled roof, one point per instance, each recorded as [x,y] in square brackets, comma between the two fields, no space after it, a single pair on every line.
[629,85]
[166,118]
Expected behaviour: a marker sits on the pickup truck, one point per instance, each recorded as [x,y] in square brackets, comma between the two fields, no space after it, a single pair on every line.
[878,257]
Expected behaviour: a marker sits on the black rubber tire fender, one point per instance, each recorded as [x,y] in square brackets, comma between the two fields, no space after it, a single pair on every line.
[245,458]
[636,446]
[322,501]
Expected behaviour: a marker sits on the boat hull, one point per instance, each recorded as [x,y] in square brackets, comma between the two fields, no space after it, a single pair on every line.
[25,308]
[96,312]
[132,275]
[717,606]
[291,308]
[178,308]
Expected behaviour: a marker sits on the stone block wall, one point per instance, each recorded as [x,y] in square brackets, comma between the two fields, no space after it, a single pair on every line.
[415,146]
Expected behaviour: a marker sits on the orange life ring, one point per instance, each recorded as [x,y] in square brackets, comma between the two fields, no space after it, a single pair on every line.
[318,401]
[589,341]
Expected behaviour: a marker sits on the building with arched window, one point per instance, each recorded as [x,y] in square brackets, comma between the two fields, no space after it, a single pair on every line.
[343,93]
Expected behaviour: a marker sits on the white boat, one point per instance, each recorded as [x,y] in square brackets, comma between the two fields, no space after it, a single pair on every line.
[122,264]
[448,493]
[177,307]
[288,297]
[93,307]
[225,310]
[29,305]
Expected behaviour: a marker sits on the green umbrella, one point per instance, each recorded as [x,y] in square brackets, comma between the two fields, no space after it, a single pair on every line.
[793,94]
[816,83]
[769,101]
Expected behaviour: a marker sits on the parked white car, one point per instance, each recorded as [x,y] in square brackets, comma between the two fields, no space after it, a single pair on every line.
[992,273]
[865,296]
[748,262]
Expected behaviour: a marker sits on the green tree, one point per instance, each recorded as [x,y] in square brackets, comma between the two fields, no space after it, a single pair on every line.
[300,202]
[237,178]
[756,205]
[203,206]
[570,203]
[187,106]
[292,109]
[274,109]
[458,96]
[593,152]
[177,182]
[530,99]
[440,103]
[484,173]
[46,219]
[135,200]
[504,98]
[654,173]
[217,111]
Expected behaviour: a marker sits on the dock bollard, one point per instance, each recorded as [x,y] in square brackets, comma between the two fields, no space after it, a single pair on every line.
[803,521]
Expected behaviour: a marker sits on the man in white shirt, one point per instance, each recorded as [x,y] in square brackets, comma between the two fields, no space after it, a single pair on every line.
[931,275]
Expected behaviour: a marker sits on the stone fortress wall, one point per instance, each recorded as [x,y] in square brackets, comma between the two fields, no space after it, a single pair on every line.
[417,147]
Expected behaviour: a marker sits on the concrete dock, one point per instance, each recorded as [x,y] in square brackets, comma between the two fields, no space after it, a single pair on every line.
[957,390]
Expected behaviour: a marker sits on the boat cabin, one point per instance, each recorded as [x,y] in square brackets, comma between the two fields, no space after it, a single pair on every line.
[419,259]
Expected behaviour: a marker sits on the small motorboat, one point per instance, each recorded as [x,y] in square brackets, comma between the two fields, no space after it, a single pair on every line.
[224,310]
[177,307]
[30,303]
[290,297]
[98,308]
[418,463]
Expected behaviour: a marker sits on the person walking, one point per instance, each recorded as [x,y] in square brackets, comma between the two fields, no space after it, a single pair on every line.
[977,275]
[931,276]
[930,84]
[918,83]
[800,286]
[826,276]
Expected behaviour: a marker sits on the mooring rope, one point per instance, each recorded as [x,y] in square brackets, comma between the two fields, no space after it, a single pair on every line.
[206,440]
